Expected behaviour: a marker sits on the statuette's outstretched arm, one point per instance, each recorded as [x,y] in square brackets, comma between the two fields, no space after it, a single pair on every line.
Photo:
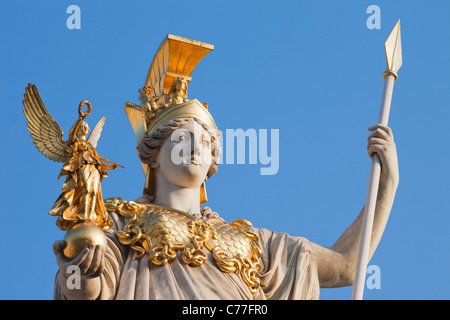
[76,126]
[337,264]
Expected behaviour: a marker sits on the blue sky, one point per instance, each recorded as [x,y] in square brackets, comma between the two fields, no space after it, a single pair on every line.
[311,69]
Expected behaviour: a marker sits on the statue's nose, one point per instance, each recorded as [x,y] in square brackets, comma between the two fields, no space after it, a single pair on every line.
[195,146]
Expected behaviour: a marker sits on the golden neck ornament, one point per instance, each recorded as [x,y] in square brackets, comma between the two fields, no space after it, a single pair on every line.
[159,233]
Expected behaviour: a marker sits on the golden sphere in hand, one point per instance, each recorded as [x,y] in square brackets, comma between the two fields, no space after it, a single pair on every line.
[82,236]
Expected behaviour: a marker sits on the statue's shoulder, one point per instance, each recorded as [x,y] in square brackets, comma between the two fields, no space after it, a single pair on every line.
[120,205]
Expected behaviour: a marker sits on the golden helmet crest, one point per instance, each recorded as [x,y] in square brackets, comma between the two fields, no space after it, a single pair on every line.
[164,95]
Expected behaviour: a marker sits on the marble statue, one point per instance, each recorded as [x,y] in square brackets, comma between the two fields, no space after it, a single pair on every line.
[163,245]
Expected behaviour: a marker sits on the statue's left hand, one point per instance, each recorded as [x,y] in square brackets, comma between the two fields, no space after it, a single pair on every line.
[90,260]
[90,264]
[381,142]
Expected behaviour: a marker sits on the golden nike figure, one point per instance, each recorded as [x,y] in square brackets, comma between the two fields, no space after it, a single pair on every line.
[81,199]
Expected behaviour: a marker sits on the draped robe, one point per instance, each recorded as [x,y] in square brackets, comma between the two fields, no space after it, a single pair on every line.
[288,272]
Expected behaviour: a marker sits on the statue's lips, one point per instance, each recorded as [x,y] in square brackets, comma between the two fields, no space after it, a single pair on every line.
[192,161]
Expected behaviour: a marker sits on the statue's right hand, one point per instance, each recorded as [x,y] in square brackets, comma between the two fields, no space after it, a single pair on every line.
[89,261]
[83,115]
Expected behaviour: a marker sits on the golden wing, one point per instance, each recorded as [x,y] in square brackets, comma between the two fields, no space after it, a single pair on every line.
[96,133]
[47,134]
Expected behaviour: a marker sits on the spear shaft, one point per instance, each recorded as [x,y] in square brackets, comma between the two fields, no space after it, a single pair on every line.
[393,61]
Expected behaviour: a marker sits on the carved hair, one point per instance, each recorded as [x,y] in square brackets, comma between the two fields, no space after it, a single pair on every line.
[149,148]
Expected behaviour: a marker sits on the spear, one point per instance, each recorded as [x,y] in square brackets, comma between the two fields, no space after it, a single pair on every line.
[393,48]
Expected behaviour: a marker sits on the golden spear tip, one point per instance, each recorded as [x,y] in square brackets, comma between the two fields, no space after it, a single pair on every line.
[393,48]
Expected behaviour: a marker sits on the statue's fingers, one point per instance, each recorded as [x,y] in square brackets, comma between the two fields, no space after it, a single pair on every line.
[58,250]
[78,260]
[383,128]
[97,262]
[100,268]
[380,133]
[379,149]
[58,246]
[83,115]
[94,262]
[374,140]
[87,259]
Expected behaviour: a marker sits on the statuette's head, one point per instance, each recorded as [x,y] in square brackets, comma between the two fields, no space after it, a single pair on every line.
[83,130]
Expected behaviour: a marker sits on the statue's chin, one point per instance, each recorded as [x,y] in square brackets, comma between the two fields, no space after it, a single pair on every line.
[82,236]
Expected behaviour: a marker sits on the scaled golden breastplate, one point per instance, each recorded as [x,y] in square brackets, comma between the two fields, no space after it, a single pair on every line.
[159,232]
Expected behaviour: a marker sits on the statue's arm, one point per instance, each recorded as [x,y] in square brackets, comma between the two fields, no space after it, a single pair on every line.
[73,131]
[337,264]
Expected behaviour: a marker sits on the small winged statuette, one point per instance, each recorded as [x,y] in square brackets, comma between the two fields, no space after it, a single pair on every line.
[81,198]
